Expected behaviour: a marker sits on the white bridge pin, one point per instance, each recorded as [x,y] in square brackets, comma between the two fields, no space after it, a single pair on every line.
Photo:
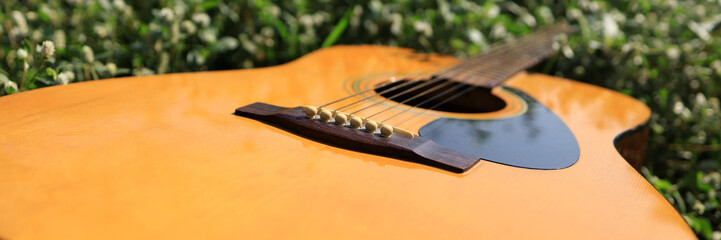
[371,126]
[356,122]
[386,130]
[325,115]
[310,111]
[340,118]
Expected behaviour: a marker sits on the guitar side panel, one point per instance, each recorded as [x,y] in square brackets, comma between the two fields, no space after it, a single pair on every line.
[163,157]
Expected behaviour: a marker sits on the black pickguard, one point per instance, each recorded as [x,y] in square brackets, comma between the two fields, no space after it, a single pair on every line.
[537,139]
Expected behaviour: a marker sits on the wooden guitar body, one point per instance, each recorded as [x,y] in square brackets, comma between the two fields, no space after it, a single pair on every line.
[163,157]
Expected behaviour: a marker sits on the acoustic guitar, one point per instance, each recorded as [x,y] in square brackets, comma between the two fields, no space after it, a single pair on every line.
[359,142]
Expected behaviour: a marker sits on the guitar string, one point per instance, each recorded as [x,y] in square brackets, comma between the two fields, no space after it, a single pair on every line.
[461,93]
[419,73]
[463,68]
[534,58]
[434,79]
[461,84]
[390,89]
[495,51]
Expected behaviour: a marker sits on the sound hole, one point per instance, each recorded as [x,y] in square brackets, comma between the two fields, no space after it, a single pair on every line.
[477,100]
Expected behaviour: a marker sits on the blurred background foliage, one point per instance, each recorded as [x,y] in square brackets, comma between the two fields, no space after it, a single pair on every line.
[667,53]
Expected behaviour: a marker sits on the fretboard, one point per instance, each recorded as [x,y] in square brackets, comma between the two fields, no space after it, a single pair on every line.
[492,68]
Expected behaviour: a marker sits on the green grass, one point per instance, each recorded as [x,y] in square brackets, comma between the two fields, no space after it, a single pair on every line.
[667,53]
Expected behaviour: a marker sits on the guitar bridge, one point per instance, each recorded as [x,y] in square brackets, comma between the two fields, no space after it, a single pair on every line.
[417,149]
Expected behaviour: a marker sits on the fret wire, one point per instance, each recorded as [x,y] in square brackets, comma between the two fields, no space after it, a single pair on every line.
[464,67]
[503,68]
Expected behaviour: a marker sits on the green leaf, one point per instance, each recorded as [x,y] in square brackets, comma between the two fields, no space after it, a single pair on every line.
[282,30]
[663,97]
[208,5]
[700,225]
[44,16]
[51,72]
[662,185]
[338,29]
[700,184]
[44,81]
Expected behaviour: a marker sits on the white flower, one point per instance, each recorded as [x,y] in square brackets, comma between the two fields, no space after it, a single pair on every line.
[267,32]
[610,27]
[166,14]
[101,31]
[188,27]
[22,54]
[47,49]
[673,52]
[208,35]
[306,20]
[89,55]
[119,4]
[493,11]
[143,72]
[65,77]
[32,16]
[423,27]
[247,44]
[36,36]
[273,10]
[22,25]
[678,107]
[545,13]
[227,44]
[499,31]
[11,85]
[396,23]
[59,39]
[370,26]
[476,37]
[201,19]
[112,68]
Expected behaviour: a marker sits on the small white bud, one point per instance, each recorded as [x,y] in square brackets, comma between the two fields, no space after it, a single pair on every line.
[166,14]
[112,68]
[47,49]
[65,77]
[22,54]
[201,19]
[89,55]
[11,85]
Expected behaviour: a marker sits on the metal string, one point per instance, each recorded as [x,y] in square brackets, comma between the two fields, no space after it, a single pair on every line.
[442,85]
[464,70]
[495,51]
[384,84]
[387,90]
[426,83]
[461,93]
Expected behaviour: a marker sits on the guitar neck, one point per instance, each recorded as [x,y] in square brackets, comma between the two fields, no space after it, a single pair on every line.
[492,68]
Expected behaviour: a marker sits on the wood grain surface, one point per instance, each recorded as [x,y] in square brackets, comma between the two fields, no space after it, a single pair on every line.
[163,157]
